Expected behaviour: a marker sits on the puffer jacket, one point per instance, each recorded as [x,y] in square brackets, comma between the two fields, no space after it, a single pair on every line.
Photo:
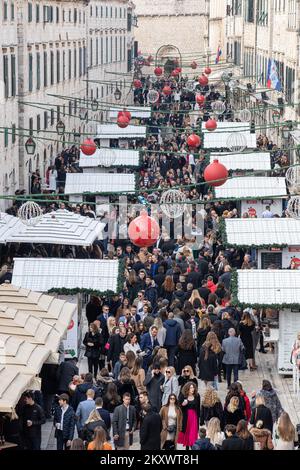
[263,437]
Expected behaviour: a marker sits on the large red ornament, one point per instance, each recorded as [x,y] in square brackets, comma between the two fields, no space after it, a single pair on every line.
[215,174]
[203,80]
[125,113]
[143,231]
[200,99]
[158,71]
[194,141]
[207,71]
[88,147]
[211,125]
[137,83]
[123,121]
[179,69]
[167,90]
[194,65]
[175,73]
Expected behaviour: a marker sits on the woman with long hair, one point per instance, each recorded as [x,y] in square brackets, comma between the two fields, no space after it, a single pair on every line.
[100,441]
[189,402]
[133,285]
[271,400]
[94,345]
[170,385]
[195,295]
[187,375]
[138,374]
[132,344]
[111,324]
[262,436]
[233,413]
[94,420]
[125,384]
[210,356]
[171,417]
[125,305]
[244,434]
[286,433]
[214,432]
[246,327]
[211,407]
[262,413]
[93,309]
[161,331]
[168,287]
[202,332]
[186,353]
[140,330]
[111,399]
[130,358]
[77,444]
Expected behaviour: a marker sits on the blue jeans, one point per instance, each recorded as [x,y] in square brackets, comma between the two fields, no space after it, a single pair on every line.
[229,369]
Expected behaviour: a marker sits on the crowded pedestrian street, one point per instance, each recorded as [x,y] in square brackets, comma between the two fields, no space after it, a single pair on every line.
[150,268]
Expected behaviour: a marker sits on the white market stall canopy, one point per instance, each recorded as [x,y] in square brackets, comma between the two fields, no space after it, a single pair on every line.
[218,138]
[252,187]
[32,326]
[136,112]
[102,183]
[118,157]
[268,287]
[257,161]
[44,274]
[263,232]
[8,224]
[112,131]
[60,227]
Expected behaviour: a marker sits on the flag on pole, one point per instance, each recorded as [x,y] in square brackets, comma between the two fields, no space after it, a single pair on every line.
[272,76]
[219,53]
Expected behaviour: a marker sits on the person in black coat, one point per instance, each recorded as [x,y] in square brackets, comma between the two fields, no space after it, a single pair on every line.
[31,420]
[116,346]
[194,277]
[65,374]
[81,389]
[93,309]
[150,430]
[94,343]
[126,385]
[261,412]
[211,407]
[48,375]
[232,441]
[64,432]
[243,433]
[186,353]
[233,413]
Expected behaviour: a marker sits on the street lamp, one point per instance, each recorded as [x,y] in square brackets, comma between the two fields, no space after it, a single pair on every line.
[286,129]
[276,116]
[94,105]
[76,136]
[247,98]
[60,128]
[30,146]
[117,94]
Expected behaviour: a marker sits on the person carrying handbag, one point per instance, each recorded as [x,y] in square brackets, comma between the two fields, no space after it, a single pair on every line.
[170,385]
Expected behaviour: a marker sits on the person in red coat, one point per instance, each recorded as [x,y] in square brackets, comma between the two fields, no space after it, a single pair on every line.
[247,409]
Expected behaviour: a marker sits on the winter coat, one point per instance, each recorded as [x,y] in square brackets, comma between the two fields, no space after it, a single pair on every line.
[98,342]
[211,286]
[80,393]
[48,375]
[179,295]
[150,431]
[164,417]
[65,373]
[203,444]
[153,385]
[102,384]
[261,412]
[119,423]
[201,336]
[173,332]
[127,387]
[208,412]
[186,357]
[170,386]
[151,295]
[92,311]
[87,432]
[34,413]
[264,437]
[68,422]
[208,369]
[273,403]
[233,418]
[247,339]
[116,346]
[233,443]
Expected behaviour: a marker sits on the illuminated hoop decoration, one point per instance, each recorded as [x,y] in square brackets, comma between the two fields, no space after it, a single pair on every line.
[218,107]
[30,213]
[236,142]
[292,178]
[245,115]
[190,85]
[153,96]
[107,159]
[293,208]
[172,203]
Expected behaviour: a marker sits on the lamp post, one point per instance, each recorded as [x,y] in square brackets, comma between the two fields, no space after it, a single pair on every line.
[76,136]
[117,94]
[30,146]
[94,105]
[60,128]
[226,78]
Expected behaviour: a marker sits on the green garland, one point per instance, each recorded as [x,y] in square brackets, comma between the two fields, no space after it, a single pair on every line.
[234,289]
[97,293]
[223,235]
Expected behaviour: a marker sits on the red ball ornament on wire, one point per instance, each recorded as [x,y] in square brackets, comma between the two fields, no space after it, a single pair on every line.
[167,90]
[203,80]
[207,71]
[123,121]
[158,71]
[200,99]
[137,83]
[125,113]
[179,69]
[175,73]
[88,147]
[143,231]
[211,125]
[194,141]
[215,174]
[194,65]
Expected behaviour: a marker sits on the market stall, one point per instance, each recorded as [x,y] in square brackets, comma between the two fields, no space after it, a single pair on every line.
[109,159]
[240,164]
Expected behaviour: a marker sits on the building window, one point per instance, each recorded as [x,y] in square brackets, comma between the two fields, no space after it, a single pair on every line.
[262,12]
[31,126]
[70,108]
[70,64]
[129,21]
[13,75]
[64,16]
[38,123]
[51,67]
[91,53]
[249,11]
[12,11]
[29,12]
[45,68]
[75,62]
[57,14]
[5,76]
[64,66]
[91,10]
[111,49]
[106,51]
[38,70]
[13,133]
[50,14]
[116,48]
[80,62]
[75,15]
[30,70]
[6,138]
[45,119]
[37,13]
[52,117]
[97,51]
[101,52]
[84,60]
[57,66]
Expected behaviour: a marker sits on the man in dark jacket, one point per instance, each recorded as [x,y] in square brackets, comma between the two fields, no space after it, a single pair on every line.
[116,346]
[64,422]
[124,424]
[226,277]
[194,277]
[148,343]
[204,291]
[65,374]
[173,333]
[202,266]
[204,442]
[232,441]
[31,419]
[48,375]
[150,430]
[153,382]
[103,322]
[179,294]
[151,292]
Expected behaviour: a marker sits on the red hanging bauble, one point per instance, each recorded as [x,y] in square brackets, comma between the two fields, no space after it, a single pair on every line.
[200,99]
[215,174]
[125,113]
[167,90]
[143,231]
[194,141]
[137,83]
[123,121]
[175,73]
[203,80]
[158,71]
[207,71]
[211,125]
[179,69]
[88,147]
[194,65]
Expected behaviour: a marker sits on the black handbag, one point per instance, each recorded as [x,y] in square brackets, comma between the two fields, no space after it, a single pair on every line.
[171,429]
